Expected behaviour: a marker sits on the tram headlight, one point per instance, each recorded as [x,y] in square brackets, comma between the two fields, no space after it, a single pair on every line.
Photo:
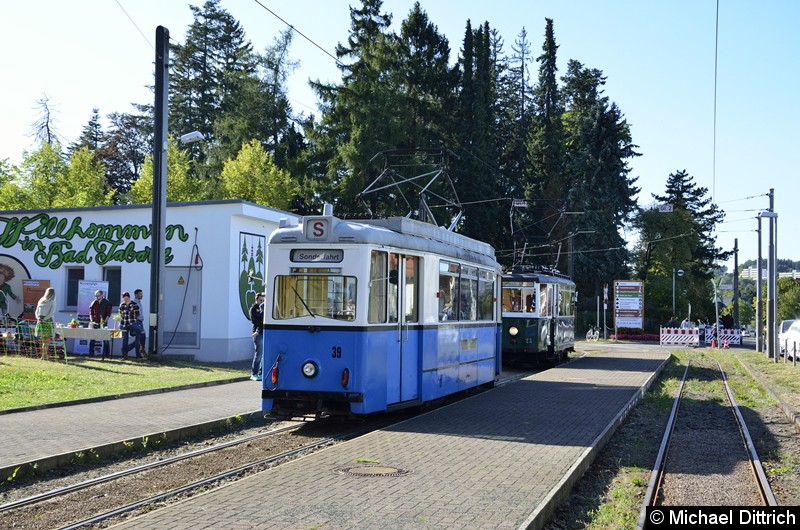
[310,369]
[513,330]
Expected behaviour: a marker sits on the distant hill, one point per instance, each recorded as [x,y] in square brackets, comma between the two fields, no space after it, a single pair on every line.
[784,265]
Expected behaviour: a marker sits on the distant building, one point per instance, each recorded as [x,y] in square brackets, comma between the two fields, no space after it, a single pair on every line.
[751,273]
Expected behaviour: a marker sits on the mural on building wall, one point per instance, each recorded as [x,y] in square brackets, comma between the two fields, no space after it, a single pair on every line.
[12,274]
[251,269]
[57,241]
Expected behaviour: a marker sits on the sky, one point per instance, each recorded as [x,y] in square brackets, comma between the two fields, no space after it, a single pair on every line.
[721,105]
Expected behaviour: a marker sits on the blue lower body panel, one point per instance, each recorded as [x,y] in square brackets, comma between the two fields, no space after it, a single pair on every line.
[343,371]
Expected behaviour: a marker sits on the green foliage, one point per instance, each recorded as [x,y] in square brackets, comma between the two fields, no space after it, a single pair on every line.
[681,239]
[207,71]
[45,180]
[39,179]
[599,146]
[545,181]
[474,176]
[182,186]
[253,176]
[788,299]
[85,183]
[124,148]
[91,136]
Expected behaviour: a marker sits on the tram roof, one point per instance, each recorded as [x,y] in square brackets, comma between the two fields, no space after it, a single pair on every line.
[399,232]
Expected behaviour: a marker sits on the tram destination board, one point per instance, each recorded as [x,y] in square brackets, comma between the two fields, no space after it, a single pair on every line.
[629,304]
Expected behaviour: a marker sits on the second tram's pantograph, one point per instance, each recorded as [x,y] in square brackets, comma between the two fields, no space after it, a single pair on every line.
[538,316]
[376,315]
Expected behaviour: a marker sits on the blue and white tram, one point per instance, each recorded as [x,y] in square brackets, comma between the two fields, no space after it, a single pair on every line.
[376,315]
[538,316]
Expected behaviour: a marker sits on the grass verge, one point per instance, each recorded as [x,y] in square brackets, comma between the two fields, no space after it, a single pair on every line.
[26,382]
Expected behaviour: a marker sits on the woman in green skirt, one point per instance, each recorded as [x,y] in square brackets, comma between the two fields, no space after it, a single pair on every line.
[45,310]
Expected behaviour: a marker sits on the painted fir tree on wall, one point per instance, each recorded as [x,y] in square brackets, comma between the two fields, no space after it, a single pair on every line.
[251,270]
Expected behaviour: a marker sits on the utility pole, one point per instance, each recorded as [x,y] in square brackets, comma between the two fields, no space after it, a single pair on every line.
[736,283]
[759,295]
[158,226]
[771,282]
[571,256]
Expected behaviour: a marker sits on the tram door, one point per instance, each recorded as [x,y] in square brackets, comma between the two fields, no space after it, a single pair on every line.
[403,355]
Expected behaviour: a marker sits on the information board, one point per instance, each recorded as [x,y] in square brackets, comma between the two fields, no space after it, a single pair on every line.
[628,304]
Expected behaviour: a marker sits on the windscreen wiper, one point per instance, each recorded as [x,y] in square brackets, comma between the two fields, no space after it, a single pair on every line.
[310,312]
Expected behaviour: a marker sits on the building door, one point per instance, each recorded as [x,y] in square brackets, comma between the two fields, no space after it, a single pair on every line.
[181,307]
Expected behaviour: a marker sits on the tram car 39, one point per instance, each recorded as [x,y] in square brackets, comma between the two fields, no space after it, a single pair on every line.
[376,315]
[538,312]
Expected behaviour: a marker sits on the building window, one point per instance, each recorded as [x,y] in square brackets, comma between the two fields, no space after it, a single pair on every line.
[113,275]
[74,276]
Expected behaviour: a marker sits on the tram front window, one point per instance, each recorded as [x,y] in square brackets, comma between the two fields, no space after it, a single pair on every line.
[519,297]
[315,296]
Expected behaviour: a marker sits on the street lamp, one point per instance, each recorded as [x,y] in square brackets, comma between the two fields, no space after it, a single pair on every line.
[192,137]
[679,272]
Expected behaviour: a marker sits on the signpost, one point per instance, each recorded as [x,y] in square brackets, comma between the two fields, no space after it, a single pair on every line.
[628,304]
[605,308]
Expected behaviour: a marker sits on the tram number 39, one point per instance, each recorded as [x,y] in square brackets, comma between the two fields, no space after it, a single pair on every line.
[336,352]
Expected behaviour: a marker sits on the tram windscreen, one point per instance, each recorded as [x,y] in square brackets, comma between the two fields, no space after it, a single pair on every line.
[519,297]
[316,296]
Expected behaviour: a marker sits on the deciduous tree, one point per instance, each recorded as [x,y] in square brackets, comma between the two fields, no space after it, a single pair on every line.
[253,176]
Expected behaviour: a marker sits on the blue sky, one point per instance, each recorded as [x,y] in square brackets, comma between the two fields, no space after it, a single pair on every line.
[658,56]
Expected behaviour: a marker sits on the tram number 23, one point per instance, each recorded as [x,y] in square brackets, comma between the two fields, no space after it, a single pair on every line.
[336,352]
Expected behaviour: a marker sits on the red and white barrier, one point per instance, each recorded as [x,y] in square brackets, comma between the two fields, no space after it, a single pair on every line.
[680,337]
[726,336]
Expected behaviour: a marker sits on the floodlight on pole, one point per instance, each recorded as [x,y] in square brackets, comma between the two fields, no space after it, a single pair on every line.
[192,137]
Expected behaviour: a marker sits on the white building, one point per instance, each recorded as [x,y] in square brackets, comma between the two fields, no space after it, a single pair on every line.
[215,258]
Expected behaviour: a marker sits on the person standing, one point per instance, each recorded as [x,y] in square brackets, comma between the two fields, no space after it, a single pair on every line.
[99,313]
[143,310]
[257,318]
[129,324]
[45,309]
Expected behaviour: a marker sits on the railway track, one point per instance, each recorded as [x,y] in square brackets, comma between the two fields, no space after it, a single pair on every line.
[706,456]
[98,500]
[93,501]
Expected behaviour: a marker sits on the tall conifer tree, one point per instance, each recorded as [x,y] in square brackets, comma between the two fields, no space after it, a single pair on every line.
[545,184]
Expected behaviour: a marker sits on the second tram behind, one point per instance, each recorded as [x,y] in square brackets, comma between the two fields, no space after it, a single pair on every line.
[375,315]
[538,316]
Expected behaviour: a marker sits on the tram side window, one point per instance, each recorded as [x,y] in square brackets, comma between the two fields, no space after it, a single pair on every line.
[545,308]
[394,280]
[567,302]
[448,290]
[468,295]
[486,297]
[530,300]
[378,275]
[412,314]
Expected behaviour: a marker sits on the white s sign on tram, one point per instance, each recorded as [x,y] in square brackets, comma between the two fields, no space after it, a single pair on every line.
[317,229]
